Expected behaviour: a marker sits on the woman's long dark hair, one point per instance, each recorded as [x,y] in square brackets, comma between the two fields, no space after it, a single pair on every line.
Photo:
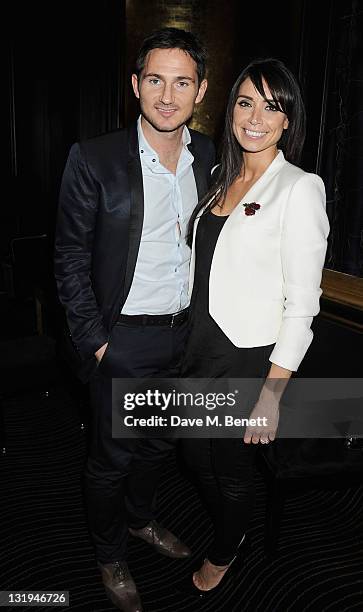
[286,95]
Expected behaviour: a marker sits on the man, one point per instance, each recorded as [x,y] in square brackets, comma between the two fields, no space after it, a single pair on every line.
[122,272]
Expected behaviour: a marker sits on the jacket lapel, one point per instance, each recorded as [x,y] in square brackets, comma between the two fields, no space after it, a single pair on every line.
[199,172]
[136,208]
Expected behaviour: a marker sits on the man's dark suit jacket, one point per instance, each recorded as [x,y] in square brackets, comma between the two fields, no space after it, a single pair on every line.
[99,227]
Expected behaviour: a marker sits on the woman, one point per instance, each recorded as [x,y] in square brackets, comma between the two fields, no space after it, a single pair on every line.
[259,243]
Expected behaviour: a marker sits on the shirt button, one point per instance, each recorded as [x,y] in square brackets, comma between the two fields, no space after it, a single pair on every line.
[142,150]
[154,160]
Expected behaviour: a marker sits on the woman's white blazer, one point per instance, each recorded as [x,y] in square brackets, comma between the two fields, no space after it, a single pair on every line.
[264,285]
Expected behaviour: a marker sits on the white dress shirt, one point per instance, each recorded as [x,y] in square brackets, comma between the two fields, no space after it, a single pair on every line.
[160,282]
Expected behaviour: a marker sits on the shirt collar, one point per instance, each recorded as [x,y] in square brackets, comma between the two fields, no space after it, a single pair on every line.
[147,151]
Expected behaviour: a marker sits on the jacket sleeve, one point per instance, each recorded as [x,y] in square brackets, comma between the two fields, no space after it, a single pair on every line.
[78,204]
[303,247]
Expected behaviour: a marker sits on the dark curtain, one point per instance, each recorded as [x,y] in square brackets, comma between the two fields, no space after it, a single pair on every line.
[341,161]
[65,83]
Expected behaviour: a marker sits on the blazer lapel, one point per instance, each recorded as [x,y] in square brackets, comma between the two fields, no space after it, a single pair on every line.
[199,172]
[136,208]
[192,257]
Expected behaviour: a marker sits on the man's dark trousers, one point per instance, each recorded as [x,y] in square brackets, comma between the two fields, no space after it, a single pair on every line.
[122,474]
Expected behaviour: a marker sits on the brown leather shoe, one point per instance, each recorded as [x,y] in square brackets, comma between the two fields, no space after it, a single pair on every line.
[120,586]
[162,540]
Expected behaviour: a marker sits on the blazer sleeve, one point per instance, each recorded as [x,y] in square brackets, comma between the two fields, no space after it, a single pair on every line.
[78,205]
[305,229]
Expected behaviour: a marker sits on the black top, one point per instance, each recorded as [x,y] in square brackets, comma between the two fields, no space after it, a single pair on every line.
[209,228]
[209,352]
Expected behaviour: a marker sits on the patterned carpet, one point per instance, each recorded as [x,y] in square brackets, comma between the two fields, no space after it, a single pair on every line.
[45,544]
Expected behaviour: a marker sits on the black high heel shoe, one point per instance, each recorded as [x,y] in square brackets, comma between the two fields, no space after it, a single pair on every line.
[188,587]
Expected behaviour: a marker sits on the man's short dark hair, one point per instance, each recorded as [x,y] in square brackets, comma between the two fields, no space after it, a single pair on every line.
[173,38]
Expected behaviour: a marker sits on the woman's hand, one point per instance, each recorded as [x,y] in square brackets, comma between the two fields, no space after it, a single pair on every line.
[266,409]
[266,413]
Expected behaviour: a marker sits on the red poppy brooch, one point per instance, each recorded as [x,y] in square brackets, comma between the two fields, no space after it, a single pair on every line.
[250,208]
